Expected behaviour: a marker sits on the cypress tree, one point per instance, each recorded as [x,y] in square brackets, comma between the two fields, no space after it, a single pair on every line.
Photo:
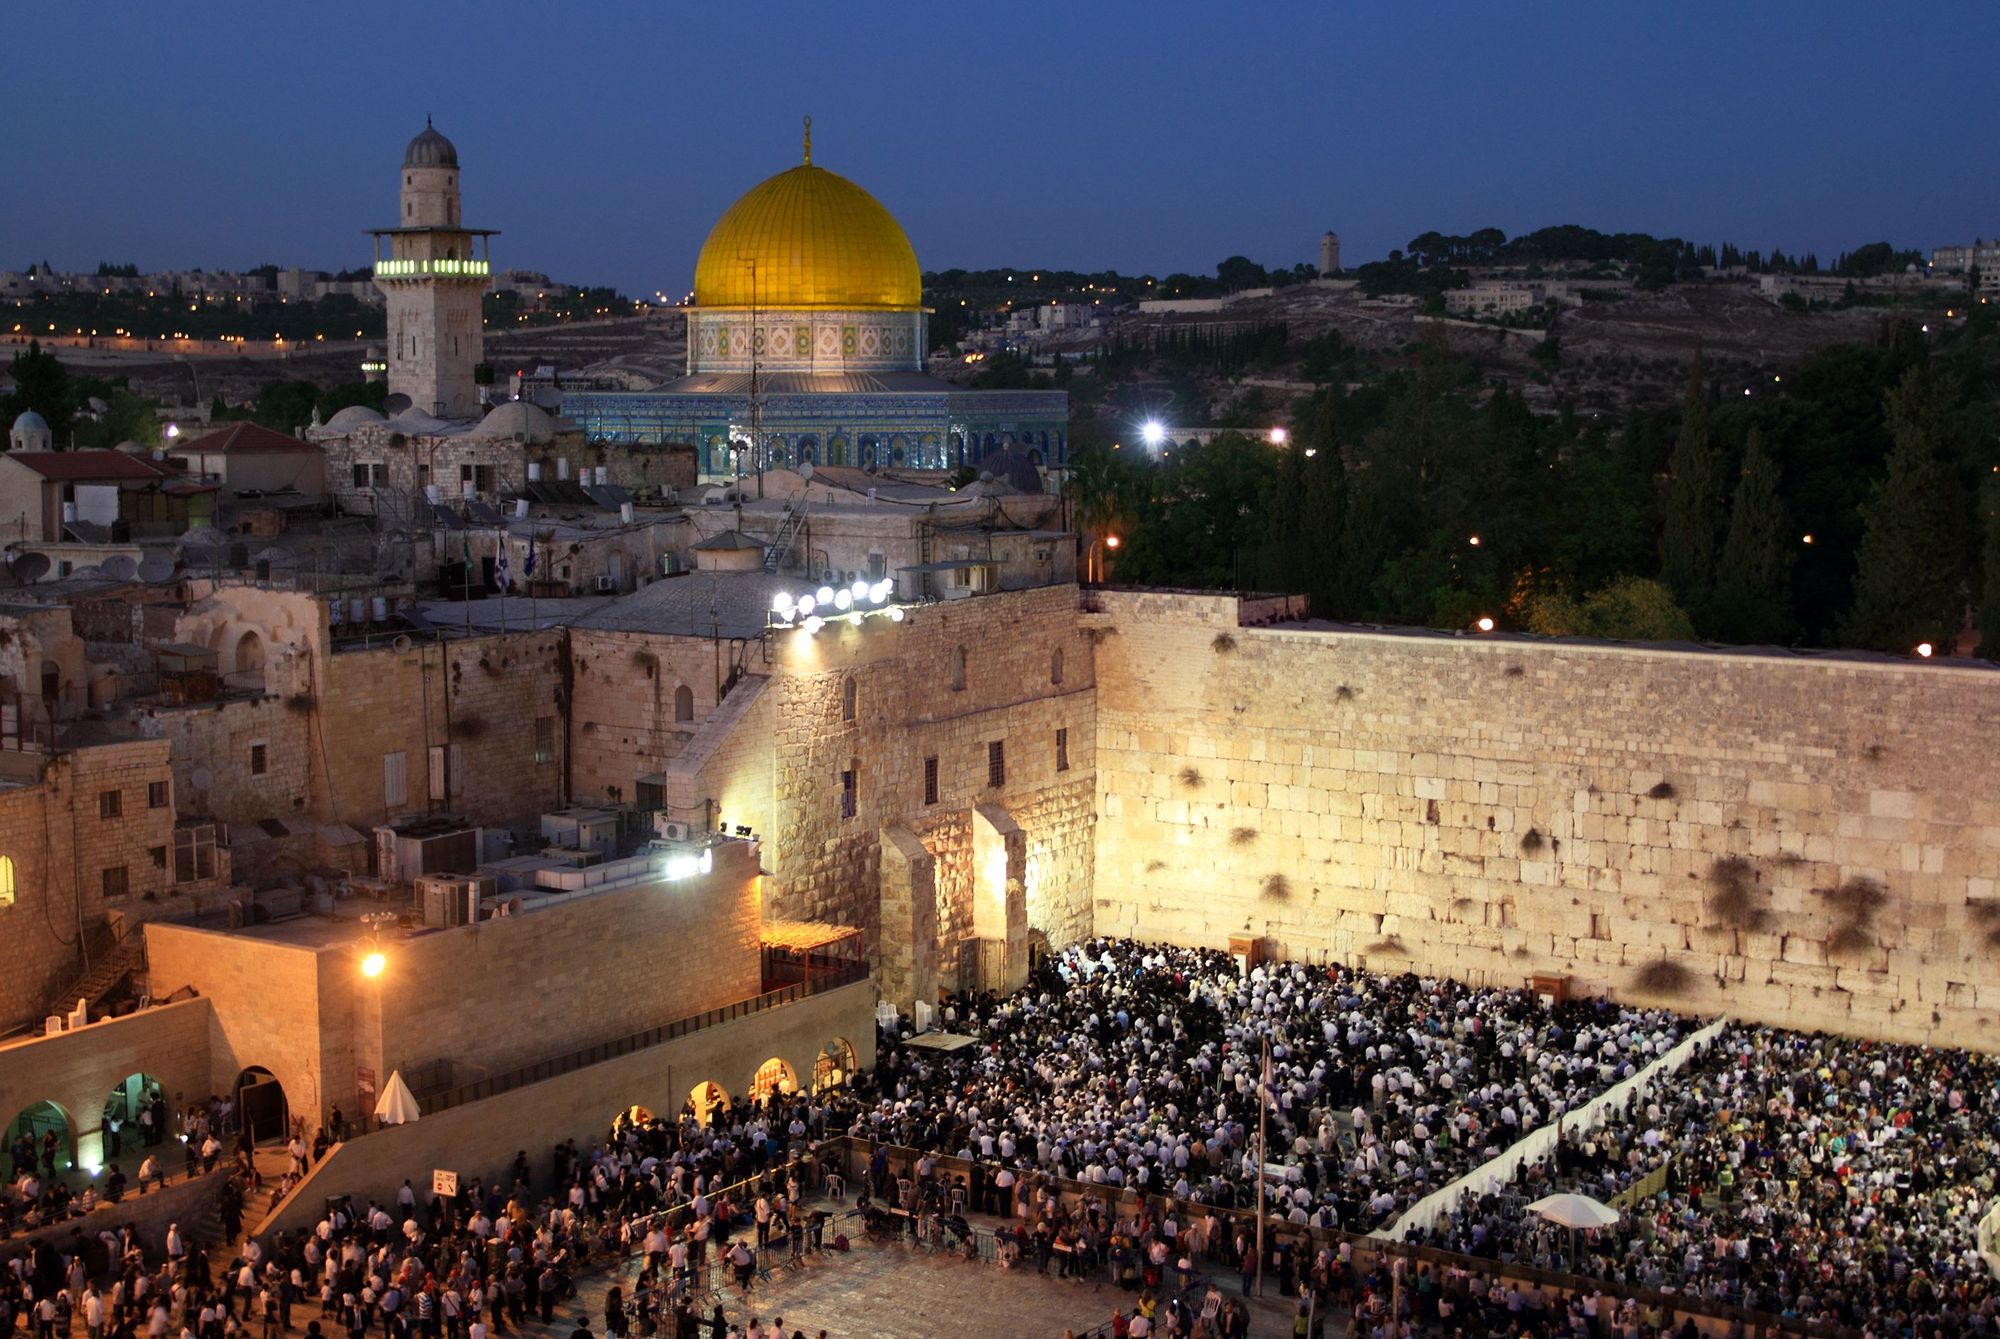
[1909,583]
[1757,554]
[1687,538]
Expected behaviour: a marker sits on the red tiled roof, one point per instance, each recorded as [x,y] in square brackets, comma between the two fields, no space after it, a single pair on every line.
[247,437]
[71,466]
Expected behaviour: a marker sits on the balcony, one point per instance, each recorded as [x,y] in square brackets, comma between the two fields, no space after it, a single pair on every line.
[429,269]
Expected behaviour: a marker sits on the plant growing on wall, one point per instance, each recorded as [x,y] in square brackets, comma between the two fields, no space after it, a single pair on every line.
[1662,790]
[1223,643]
[1662,976]
[1277,887]
[1531,841]
[1191,777]
[1854,904]
[1242,836]
[1733,894]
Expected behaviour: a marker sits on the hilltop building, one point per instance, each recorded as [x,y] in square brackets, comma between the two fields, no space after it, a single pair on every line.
[1329,253]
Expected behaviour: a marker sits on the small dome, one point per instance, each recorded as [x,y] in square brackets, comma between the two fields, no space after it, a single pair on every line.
[518,418]
[430,149]
[30,421]
[352,417]
[417,423]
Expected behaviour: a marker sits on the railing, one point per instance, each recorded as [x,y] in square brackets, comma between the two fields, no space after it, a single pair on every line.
[1366,1249]
[639,1041]
[411,269]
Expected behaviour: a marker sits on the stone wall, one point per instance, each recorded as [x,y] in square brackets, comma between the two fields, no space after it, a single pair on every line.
[624,721]
[77,1070]
[482,696]
[829,864]
[1805,841]
[292,999]
[64,853]
[480,1139]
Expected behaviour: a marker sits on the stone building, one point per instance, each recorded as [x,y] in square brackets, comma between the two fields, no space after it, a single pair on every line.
[432,283]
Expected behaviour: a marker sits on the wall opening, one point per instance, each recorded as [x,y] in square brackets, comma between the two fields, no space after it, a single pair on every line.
[834,1067]
[773,1077]
[706,1101]
[135,1095]
[42,1140]
[261,1111]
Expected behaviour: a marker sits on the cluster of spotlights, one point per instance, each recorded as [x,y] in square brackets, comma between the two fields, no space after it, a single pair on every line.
[814,611]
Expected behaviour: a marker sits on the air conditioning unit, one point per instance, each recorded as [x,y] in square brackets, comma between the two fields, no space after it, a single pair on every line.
[671,831]
[605,585]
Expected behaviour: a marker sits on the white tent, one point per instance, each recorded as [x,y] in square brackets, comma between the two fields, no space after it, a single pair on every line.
[398,1105]
[1566,1210]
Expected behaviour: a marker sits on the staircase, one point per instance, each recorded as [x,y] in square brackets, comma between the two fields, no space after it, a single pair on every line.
[112,961]
[271,1165]
[778,553]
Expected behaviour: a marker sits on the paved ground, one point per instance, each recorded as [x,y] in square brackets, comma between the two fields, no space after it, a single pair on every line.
[895,1291]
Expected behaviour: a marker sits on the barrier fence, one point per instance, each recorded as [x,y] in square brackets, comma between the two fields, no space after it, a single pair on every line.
[1218,1225]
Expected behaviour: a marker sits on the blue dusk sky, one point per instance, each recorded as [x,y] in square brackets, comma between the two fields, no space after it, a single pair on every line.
[603,140]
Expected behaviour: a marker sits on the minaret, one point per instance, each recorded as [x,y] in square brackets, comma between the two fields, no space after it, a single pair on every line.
[433,285]
[1329,253]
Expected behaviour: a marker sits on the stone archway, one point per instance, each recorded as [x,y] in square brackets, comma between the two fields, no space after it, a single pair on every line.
[125,1129]
[261,1109]
[775,1077]
[29,1133]
[834,1066]
[706,1100]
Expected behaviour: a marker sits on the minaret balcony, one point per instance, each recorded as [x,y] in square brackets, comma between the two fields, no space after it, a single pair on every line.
[433,269]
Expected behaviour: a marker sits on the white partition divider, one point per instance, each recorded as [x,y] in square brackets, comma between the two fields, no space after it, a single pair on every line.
[1541,1141]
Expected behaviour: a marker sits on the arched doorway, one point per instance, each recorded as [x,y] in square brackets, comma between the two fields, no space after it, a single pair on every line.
[125,1127]
[835,1066]
[29,1143]
[250,654]
[773,1076]
[634,1117]
[707,1100]
[261,1110]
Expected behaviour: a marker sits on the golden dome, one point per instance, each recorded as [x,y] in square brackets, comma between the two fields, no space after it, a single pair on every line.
[808,239]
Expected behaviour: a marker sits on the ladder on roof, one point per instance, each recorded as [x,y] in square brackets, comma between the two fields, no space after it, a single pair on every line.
[778,553]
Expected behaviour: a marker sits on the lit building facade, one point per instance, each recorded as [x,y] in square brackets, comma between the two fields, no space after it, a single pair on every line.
[806,345]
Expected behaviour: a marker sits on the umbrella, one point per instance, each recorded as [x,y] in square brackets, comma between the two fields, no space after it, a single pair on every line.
[398,1105]
[1567,1210]
[1573,1212]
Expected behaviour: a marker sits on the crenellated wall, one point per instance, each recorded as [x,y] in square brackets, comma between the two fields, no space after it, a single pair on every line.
[1811,841]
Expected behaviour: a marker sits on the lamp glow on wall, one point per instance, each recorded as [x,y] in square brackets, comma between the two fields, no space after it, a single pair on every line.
[686,866]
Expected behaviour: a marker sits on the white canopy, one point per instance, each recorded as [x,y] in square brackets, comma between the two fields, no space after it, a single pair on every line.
[1575,1211]
[398,1105]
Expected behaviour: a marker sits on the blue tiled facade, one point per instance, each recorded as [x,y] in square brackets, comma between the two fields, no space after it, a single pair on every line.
[911,429]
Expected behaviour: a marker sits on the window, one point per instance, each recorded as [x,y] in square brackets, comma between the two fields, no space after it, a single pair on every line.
[1062,749]
[117,883]
[545,739]
[847,696]
[1055,667]
[447,771]
[159,856]
[930,781]
[996,763]
[110,803]
[878,567]
[6,881]
[847,792]
[958,670]
[260,759]
[683,703]
[395,780]
[194,853]
[156,794]
[479,476]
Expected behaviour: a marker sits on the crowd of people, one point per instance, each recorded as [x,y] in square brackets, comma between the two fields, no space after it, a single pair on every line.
[1804,1175]
[1140,1066]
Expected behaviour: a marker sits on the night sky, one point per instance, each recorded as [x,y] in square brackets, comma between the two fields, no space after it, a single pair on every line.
[1144,137]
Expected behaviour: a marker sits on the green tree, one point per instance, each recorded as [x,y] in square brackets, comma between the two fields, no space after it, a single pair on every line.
[41,383]
[285,405]
[1323,527]
[1631,609]
[1989,604]
[1909,583]
[1687,539]
[1752,601]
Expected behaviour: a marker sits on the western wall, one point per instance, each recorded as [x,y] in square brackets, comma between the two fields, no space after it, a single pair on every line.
[1805,840]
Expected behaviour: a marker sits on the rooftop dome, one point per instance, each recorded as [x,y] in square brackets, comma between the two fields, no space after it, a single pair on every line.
[430,149]
[518,418]
[30,421]
[352,417]
[807,239]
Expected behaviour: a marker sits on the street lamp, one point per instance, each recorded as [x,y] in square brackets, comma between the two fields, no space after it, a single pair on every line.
[373,963]
[1279,436]
[1152,433]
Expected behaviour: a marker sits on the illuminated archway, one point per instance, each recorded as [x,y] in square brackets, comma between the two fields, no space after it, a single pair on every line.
[834,1067]
[36,1122]
[773,1076]
[707,1100]
[134,1093]
[261,1108]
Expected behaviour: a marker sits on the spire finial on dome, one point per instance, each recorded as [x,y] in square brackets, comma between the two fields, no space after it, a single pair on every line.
[809,141]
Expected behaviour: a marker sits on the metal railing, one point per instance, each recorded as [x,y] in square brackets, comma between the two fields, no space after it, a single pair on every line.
[556,1066]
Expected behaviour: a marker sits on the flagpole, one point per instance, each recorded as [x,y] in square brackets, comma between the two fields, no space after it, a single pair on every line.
[506,581]
[1263,1101]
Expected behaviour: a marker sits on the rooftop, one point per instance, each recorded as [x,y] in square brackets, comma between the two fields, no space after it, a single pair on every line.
[84,466]
[699,604]
[243,438]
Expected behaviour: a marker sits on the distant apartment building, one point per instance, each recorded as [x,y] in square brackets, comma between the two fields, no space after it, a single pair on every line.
[1981,255]
[1490,300]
